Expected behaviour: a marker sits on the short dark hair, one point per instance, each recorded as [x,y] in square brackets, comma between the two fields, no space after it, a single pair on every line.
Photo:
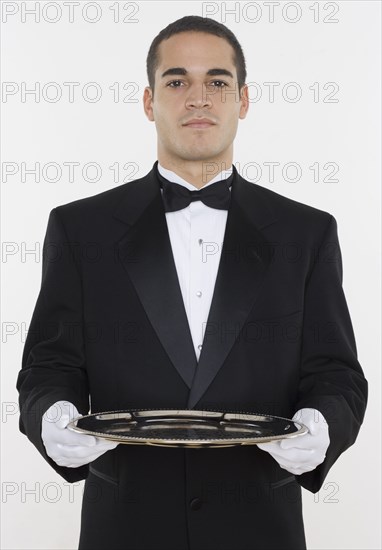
[198,24]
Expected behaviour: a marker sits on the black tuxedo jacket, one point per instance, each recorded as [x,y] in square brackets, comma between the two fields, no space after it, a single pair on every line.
[110,323]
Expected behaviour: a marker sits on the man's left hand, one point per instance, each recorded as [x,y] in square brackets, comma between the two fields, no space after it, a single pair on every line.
[303,453]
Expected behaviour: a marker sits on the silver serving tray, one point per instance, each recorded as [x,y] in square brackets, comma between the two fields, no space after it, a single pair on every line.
[186,428]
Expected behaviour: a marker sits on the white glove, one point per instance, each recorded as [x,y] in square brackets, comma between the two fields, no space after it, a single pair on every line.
[303,453]
[65,447]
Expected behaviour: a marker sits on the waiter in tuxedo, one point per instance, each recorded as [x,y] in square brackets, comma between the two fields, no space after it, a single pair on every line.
[191,287]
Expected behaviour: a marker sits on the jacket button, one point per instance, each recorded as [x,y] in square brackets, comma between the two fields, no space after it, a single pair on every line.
[195,504]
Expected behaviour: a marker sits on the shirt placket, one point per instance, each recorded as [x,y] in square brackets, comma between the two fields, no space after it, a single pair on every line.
[197,283]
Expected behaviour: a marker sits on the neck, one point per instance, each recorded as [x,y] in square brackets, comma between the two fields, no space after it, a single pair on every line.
[198,173]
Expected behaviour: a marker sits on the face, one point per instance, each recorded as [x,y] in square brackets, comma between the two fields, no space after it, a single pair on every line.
[184,90]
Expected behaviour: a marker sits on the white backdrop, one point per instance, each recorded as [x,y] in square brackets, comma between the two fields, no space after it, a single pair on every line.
[314,74]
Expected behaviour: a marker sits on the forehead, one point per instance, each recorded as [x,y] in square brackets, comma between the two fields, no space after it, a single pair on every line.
[197,49]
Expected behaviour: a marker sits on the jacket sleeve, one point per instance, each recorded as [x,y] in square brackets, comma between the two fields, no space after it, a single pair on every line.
[54,362]
[331,379]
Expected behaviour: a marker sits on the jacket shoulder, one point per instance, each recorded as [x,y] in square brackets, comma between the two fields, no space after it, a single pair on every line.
[95,208]
[284,206]
[298,217]
[104,199]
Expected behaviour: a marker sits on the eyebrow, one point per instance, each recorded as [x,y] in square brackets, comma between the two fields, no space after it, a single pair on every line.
[183,71]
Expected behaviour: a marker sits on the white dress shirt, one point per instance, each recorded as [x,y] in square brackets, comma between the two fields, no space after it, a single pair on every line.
[196,236]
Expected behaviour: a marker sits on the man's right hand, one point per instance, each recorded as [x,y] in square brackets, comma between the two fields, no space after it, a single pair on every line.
[65,447]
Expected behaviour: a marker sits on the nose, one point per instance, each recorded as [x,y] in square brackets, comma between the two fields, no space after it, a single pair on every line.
[199,97]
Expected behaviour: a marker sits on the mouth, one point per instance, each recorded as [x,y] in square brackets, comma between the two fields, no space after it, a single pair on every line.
[200,124]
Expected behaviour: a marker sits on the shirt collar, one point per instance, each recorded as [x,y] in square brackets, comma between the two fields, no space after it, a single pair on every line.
[173,177]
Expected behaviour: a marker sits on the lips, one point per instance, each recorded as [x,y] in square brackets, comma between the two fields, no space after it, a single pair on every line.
[199,123]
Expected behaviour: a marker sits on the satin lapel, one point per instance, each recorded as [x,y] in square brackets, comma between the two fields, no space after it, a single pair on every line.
[245,258]
[146,254]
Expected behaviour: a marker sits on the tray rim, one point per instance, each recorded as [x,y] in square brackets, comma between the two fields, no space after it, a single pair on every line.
[178,442]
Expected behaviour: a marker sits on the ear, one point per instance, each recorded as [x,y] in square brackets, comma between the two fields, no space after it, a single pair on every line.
[244,100]
[147,103]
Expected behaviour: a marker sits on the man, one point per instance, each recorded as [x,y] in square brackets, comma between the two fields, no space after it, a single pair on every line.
[141,307]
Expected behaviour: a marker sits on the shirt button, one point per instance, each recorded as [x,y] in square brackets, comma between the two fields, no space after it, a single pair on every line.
[200,346]
[199,293]
[195,504]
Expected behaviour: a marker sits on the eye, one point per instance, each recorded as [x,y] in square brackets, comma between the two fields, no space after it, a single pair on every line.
[222,82]
[173,82]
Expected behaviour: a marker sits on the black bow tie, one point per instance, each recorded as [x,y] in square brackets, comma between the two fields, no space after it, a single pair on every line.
[176,197]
